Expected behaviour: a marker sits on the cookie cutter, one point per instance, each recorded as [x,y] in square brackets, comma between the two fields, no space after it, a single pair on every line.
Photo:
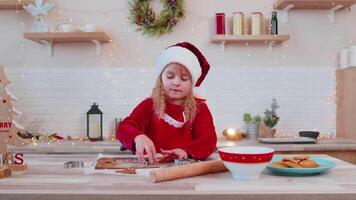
[73,164]
[182,161]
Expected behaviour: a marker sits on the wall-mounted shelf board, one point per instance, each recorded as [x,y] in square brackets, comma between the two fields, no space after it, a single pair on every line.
[271,39]
[333,5]
[50,38]
[249,38]
[313,4]
[14,4]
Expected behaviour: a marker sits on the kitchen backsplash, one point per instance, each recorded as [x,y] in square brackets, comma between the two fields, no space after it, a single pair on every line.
[57,98]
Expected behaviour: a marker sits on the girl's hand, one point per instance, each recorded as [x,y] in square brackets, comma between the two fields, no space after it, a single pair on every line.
[144,143]
[180,153]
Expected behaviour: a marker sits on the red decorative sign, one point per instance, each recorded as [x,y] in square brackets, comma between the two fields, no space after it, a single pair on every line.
[5,124]
[18,160]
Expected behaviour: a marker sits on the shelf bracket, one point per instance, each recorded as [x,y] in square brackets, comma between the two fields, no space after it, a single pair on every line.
[284,12]
[222,45]
[332,13]
[97,47]
[270,45]
[49,47]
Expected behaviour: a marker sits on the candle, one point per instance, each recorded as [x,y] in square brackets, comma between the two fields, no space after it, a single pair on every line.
[95,130]
[232,134]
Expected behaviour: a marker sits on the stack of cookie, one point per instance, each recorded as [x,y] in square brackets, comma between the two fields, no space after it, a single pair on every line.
[296,162]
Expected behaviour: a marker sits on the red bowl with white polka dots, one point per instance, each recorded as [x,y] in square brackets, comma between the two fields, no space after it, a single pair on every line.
[246,162]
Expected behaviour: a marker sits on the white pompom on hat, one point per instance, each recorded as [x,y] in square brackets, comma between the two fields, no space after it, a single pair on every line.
[187,55]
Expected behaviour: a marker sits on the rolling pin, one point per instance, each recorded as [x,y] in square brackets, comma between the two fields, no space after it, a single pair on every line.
[188,170]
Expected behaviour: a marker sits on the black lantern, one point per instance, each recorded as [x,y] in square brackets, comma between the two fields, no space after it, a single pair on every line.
[95,123]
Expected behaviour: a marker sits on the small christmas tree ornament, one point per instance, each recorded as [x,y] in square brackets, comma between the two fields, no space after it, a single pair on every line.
[270,120]
[39,10]
[8,126]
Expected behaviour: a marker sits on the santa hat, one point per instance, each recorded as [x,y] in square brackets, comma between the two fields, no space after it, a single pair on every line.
[187,55]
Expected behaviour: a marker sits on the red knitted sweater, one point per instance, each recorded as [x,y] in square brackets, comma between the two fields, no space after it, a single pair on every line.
[198,139]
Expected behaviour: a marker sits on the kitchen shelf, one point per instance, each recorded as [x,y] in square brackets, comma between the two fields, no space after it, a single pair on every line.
[50,38]
[14,4]
[313,4]
[271,39]
[332,5]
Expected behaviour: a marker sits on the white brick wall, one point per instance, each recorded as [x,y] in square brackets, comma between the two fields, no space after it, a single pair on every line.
[61,96]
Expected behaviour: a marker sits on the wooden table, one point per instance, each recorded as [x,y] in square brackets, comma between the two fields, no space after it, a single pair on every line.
[46,178]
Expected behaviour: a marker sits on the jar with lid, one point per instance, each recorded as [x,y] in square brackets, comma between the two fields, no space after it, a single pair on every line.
[257,23]
[238,26]
[220,23]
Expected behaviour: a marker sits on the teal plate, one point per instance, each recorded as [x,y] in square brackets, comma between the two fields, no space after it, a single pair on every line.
[325,165]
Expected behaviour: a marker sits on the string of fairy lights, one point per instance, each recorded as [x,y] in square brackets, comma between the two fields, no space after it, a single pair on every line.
[110,57]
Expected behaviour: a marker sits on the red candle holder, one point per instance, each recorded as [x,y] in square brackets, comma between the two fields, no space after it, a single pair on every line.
[220,23]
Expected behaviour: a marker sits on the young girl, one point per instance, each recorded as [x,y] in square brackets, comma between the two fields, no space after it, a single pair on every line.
[172,121]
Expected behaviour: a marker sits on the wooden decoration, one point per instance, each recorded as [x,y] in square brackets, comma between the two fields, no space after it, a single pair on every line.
[5,172]
[345,102]
[18,167]
[266,132]
[3,78]
[15,162]
[8,126]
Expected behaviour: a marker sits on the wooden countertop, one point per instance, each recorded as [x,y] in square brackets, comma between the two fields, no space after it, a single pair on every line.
[80,147]
[46,178]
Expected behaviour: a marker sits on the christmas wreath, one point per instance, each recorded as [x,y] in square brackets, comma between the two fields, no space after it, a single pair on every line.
[142,14]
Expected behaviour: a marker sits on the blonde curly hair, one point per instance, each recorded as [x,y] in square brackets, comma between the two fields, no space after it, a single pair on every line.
[159,104]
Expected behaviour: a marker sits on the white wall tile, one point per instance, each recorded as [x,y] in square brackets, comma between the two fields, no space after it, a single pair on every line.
[60,97]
